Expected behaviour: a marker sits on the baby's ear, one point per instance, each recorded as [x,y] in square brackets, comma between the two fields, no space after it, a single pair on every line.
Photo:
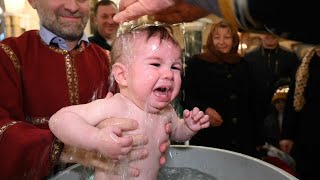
[119,72]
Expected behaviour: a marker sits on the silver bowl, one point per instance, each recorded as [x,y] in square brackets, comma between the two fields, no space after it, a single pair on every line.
[219,163]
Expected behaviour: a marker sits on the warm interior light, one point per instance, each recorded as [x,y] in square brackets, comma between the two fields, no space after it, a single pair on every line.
[14,6]
[243,46]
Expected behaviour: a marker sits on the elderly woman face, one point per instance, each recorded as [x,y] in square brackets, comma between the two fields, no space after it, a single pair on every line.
[222,39]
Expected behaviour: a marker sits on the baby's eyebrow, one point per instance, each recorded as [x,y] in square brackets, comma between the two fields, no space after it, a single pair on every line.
[154,57]
[177,61]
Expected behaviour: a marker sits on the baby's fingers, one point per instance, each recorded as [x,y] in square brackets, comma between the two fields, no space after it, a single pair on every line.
[205,125]
[199,115]
[195,111]
[186,113]
[204,119]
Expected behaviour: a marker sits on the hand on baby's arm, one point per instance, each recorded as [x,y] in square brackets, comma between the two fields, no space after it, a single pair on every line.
[196,119]
[97,160]
[111,143]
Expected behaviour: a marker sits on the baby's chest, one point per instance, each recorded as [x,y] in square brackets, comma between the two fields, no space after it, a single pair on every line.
[150,125]
[153,125]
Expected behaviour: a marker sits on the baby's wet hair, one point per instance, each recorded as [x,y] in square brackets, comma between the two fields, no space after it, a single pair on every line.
[123,44]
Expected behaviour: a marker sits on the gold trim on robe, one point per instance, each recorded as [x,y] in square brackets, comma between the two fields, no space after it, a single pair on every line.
[71,71]
[12,57]
[37,120]
[6,126]
[56,150]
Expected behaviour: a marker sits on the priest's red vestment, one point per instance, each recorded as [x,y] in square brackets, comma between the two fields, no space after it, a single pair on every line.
[36,80]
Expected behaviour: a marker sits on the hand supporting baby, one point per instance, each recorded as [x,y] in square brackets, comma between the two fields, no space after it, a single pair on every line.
[109,162]
[111,143]
[94,159]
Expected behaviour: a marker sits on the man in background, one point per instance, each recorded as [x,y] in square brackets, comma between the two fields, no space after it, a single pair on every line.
[107,28]
[271,65]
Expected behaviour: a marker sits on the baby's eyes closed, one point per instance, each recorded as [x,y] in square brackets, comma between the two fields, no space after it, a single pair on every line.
[176,67]
[155,64]
[158,63]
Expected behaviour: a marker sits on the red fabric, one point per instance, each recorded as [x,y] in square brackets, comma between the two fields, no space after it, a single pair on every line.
[280,164]
[25,155]
[42,90]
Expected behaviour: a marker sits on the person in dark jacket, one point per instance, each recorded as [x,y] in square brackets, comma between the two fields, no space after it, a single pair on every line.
[218,81]
[270,64]
[107,28]
[300,130]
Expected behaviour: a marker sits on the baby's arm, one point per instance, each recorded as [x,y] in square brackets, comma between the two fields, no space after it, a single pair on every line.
[194,121]
[75,126]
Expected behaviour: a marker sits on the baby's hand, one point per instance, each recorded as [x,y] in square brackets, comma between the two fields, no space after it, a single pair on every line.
[196,119]
[112,144]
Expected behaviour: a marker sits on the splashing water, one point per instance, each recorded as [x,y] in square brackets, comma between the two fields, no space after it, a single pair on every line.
[179,173]
[149,122]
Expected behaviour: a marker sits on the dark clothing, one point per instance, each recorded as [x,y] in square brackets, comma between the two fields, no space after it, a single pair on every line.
[99,40]
[303,127]
[270,16]
[227,89]
[269,67]
[307,158]
[272,130]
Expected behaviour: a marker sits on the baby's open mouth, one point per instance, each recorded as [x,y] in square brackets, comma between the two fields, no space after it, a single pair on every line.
[162,90]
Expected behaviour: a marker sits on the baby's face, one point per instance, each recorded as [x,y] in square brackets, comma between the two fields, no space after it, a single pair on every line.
[154,75]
